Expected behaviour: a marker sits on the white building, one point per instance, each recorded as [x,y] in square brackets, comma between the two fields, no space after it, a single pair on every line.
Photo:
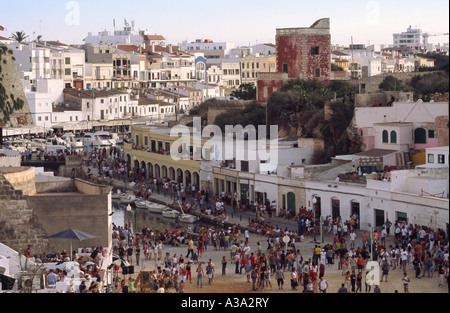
[126,35]
[41,99]
[411,38]
[32,62]
[436,157]
[420,196]
[210,49]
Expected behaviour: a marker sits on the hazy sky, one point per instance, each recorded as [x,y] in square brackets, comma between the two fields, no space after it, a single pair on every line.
[241,22]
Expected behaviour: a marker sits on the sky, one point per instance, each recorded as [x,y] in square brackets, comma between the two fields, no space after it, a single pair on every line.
[241,22]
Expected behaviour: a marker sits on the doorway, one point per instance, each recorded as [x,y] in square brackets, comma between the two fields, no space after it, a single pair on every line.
[335,209]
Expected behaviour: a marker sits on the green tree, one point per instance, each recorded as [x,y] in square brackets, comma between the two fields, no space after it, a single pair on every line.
[245,92]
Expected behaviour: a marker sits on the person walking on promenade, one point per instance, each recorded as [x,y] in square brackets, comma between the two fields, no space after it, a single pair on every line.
[200,273]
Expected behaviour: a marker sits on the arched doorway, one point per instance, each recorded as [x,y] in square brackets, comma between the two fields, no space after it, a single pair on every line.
[187,178]
[150,169]
[144,170]
[136,165]
[157,171]
[196,180]
[179,176]
[128,161]
[420,135]
[171,173]
[164,171]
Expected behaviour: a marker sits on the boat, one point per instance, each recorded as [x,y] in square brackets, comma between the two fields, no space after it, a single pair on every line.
[140,203]
[127,198]
[186,218]
[73,142]
[156,208]
[94,140]
[115,194]
[107,137]
[170,213]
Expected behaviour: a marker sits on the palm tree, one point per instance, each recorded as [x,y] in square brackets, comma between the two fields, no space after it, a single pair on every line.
[19,36]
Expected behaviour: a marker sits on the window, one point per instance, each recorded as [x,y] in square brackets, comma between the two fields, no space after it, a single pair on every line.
[67,71]
[393,136]
[385,136]
[430,133]
[67,61]
[441,158]
[244,166]
[420,136]
[285,68]
[145,141]
[315,51]
[431,158]
[39,118]
[317,72]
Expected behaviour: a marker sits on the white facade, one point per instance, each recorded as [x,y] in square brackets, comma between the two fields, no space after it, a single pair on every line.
[394,136]
[410,112]
[210,49]
[99,75]
[411,38]
[436,157]
[403,197]
[45,94]
[32,62]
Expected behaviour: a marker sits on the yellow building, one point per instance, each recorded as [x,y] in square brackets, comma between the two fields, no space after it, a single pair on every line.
[251,66]
[150,150]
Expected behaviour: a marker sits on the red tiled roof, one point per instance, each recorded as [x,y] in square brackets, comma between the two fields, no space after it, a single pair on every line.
[153,37]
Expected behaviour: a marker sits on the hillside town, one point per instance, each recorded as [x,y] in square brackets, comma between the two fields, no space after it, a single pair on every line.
[126,123]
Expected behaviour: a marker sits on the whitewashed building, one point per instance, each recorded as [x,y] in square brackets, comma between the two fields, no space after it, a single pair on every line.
[420,195]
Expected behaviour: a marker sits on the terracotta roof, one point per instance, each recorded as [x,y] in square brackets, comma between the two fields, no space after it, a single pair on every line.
[146,101]
[153,37]
[4,38]
[87,94]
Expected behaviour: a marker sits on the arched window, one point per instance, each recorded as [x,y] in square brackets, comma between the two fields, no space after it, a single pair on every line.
[393,136]
[385,136]
[420,136]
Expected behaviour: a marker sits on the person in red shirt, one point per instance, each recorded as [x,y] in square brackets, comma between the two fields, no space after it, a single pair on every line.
[243,263]
[252,259]
[360,263]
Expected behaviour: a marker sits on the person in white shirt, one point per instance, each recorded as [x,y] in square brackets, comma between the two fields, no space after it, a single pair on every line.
[352,239]
[404,258]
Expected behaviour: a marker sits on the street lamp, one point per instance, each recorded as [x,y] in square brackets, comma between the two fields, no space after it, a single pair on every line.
[128,210]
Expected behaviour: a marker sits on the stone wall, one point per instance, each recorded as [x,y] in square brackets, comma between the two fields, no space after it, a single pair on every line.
[61,211]
[442,131]
[10,80]
[18,226]
[370,84]
[21,178]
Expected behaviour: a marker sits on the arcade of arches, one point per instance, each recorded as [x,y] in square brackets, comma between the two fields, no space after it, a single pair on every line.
[158,169]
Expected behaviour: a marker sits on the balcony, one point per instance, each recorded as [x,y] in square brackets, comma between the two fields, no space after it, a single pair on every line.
[146,155]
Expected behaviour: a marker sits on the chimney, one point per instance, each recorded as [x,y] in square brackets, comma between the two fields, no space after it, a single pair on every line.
[170,49]
[153,47]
